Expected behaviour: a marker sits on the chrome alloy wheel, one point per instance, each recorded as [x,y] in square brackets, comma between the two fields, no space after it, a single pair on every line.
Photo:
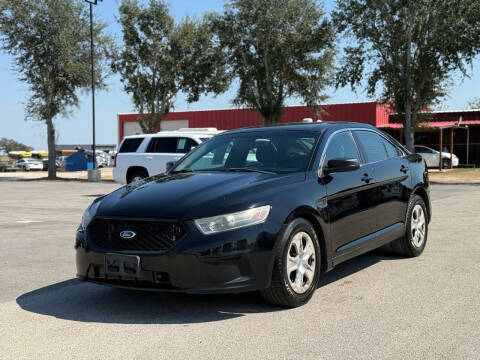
[417,226]
[301,262]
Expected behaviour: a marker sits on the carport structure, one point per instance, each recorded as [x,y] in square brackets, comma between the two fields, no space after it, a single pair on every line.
[459,129]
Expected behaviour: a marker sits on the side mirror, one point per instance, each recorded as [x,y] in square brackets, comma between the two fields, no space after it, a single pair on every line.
[170,165]
[341,165]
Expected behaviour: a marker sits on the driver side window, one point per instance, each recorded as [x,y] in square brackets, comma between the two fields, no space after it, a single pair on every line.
[342,146]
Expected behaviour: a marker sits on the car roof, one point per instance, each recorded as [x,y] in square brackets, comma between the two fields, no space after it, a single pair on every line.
[313,127]
[188,132]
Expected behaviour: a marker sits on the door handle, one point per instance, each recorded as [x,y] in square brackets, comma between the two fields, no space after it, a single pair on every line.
[149,158]
[404,169]
[366,178]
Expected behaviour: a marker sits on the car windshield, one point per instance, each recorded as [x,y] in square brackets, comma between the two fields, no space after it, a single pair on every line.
[276,152]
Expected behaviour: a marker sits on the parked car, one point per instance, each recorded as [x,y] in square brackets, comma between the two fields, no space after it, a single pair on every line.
[141,156]
[27,164]
[5,166]
[432,157]
[45,164]
[267,209]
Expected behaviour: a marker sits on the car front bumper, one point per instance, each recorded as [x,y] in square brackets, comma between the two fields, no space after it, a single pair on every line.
[230,262]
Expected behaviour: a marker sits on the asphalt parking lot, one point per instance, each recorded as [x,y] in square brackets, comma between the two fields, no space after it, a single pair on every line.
[377,306]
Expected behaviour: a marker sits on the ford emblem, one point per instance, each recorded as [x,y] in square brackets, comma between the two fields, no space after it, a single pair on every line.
[127,234]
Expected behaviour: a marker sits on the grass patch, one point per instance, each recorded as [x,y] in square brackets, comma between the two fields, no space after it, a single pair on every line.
[463,175]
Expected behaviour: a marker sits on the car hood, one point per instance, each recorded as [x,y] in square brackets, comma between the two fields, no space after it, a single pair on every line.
[447,155]
[444,154]
[194,195]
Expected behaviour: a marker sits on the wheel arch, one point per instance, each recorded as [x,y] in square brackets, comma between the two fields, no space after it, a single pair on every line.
[422,192]
[133,169]
[313,217]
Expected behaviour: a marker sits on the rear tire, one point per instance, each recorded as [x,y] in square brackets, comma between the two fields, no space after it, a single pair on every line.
[446,163]
[414,241]
[136,175]
[296,266]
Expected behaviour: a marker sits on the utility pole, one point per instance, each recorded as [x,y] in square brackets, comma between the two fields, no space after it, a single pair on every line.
[91,3]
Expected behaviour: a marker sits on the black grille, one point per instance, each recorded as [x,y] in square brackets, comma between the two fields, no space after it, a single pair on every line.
[150,235]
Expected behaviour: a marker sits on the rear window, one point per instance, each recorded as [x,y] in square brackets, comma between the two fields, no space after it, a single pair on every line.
[162,145]
[170,145]
[130,145]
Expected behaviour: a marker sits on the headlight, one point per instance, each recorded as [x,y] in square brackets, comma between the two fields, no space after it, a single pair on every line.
[216,224]
[89,214]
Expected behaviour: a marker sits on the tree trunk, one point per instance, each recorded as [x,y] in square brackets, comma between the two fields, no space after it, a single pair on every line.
[409,131]
[408,128]
[52,168]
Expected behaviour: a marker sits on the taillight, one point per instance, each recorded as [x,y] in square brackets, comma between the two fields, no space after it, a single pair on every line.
[115,160]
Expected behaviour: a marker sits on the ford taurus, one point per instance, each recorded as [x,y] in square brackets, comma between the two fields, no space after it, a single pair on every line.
[268,209]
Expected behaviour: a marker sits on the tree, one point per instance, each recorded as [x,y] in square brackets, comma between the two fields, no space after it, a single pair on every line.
[474,103]
[7,145]
[277,49]
[50,42]
[408,50]
[159,59]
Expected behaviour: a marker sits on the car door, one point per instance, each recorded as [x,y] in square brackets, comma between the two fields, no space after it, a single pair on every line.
[350,195]
[391,174]
[159,151]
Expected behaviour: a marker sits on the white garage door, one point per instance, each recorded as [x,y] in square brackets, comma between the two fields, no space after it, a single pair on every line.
[132,128]
[173,125]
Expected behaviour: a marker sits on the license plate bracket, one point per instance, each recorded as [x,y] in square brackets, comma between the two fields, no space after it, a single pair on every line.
[125,266]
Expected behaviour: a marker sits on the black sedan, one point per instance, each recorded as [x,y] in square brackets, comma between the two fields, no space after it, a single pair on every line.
[267,209]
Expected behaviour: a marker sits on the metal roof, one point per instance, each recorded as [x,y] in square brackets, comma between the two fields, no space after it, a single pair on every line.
[432,124]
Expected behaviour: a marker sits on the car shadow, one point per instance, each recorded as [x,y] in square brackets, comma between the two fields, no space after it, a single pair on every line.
[357,264]
[81,301]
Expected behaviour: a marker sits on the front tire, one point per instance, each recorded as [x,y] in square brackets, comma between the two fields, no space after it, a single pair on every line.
[296,266]
[414,241]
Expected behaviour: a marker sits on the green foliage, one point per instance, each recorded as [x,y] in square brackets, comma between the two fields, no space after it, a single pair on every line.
[159,59]
[407,49]
[277,49]
[50,42]
[474,103]
[7,145]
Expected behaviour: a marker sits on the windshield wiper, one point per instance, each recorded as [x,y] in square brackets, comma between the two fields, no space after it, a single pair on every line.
[181,171]
[248,170]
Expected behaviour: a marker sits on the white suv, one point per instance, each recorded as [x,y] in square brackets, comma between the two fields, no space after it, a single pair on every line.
[141,156]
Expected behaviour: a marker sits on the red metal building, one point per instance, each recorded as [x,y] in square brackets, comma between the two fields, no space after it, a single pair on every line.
[375,113]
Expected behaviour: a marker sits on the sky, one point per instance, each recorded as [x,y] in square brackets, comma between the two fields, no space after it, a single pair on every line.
[77,127]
